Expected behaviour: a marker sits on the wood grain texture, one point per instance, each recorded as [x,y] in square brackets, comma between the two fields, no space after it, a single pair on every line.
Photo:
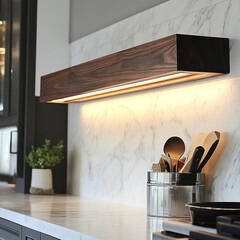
[147,61]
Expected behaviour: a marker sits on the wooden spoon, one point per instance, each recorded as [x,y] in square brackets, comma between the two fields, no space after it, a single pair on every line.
[162,164]
[174,148]
[211,139]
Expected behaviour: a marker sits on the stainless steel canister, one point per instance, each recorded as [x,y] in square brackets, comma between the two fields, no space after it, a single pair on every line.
[168,192]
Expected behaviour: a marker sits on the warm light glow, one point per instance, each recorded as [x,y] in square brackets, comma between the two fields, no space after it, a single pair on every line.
[2,51]
[1,22]
[122,87]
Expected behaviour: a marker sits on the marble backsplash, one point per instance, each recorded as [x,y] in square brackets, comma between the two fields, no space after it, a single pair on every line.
[113,142]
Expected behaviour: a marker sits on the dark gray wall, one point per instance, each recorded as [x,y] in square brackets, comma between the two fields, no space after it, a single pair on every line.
[88,16]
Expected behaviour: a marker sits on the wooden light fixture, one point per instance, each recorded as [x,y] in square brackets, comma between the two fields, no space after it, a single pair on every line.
[174,59]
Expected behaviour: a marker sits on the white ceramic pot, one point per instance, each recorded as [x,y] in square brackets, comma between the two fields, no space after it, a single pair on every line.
[41,182]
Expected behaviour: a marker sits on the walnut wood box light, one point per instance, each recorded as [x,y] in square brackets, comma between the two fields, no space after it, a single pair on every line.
[173,59]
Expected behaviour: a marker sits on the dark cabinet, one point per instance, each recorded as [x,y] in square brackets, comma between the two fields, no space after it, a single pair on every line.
[12,231]
[47,237]
[35,121]
[17,65]
[9,230]
[30,234]
[12,57]
[8,85]
[20,106]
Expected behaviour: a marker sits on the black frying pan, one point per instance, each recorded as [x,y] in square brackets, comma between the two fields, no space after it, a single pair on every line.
[206,213]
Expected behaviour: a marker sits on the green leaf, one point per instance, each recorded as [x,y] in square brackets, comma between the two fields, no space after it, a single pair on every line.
[47,156]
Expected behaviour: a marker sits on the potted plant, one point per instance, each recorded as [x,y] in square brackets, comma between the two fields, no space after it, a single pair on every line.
[42,160]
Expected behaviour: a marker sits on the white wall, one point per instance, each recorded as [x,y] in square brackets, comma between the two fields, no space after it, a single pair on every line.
[52,38]
[114,141]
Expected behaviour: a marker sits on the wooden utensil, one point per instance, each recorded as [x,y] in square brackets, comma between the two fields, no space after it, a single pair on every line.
[197,140]
[181,163]
[174,148]
[156,167]
[211,138]
[162,164]
[209,144]
[167,161]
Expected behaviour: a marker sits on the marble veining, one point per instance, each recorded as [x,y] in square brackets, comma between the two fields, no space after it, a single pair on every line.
[113,142]
[121,35]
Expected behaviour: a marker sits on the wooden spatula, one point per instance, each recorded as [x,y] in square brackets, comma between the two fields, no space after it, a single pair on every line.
[197,140]
[210,139]
[209,145]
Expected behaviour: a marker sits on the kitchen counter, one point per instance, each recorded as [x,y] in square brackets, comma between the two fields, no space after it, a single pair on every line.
[70,217]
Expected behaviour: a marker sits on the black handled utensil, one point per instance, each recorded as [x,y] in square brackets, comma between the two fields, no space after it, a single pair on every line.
[210,143]
[208,155]
[196,158]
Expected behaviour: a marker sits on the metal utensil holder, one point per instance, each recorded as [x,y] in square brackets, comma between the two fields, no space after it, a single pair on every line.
[168,192]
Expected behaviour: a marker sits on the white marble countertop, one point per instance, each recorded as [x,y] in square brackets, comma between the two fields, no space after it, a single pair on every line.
[71,218]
